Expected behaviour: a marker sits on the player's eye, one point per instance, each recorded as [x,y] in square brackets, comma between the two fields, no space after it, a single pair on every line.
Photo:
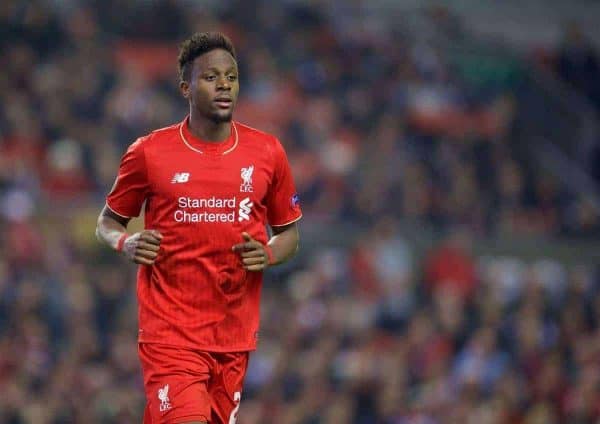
[232,77]
[210,77]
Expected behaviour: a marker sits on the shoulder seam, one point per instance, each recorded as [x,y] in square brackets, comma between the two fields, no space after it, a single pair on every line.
[162,129]
[153,133]
[241,124]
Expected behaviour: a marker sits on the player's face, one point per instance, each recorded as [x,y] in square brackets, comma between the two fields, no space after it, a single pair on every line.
[214,86]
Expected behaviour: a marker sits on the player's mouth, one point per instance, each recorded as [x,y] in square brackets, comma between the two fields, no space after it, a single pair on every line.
[223,102]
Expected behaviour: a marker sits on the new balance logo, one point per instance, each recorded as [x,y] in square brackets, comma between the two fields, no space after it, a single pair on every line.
[245,209]
[180,177]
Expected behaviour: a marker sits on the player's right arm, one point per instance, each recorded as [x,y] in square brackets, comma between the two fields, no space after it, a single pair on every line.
[141,248]
[125,199]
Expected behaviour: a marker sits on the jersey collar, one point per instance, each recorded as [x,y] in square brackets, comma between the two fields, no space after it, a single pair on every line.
[201,146]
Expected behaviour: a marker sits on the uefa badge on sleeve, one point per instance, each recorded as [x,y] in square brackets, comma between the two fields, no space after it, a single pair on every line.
[295,201]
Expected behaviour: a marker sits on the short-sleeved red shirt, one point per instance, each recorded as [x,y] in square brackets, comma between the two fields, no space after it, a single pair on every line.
[201,196]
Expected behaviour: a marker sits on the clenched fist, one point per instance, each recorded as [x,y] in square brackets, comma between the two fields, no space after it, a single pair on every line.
[142,248]
[255,256]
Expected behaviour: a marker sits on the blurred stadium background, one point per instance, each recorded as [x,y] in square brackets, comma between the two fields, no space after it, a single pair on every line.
[447,156]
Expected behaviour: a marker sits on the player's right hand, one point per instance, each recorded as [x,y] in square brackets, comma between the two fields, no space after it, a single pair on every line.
[142,248]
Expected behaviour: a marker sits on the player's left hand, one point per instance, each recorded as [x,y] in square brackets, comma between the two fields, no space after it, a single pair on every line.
[253,253]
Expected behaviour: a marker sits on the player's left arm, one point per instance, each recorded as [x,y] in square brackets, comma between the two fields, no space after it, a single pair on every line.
[282,206]
[282,246]
[284,243]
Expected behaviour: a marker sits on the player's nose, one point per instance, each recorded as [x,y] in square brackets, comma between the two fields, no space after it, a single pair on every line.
[223,84]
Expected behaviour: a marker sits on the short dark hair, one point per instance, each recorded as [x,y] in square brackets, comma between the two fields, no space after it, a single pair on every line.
[197,45]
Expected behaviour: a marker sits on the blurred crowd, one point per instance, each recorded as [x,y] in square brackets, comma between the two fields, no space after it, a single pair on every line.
[374,336]
[382,125]
[578,64]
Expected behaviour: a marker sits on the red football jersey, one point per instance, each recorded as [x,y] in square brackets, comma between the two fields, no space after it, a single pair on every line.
[201,196]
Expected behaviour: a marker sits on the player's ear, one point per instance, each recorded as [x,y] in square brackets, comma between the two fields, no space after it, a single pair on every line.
[184,88]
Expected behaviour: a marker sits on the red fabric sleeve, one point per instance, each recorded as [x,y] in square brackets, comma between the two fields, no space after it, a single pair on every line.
[283,206]
[131,186]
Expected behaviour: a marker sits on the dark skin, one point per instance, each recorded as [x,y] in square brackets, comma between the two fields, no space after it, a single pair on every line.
[143,247]
[212,92]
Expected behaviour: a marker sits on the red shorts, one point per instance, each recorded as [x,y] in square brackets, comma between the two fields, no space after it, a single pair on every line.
[184,385]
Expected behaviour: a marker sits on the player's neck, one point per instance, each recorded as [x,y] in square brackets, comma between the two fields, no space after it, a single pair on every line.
[208,130]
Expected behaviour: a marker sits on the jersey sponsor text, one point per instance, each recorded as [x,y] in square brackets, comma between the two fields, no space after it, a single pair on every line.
[212,209]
